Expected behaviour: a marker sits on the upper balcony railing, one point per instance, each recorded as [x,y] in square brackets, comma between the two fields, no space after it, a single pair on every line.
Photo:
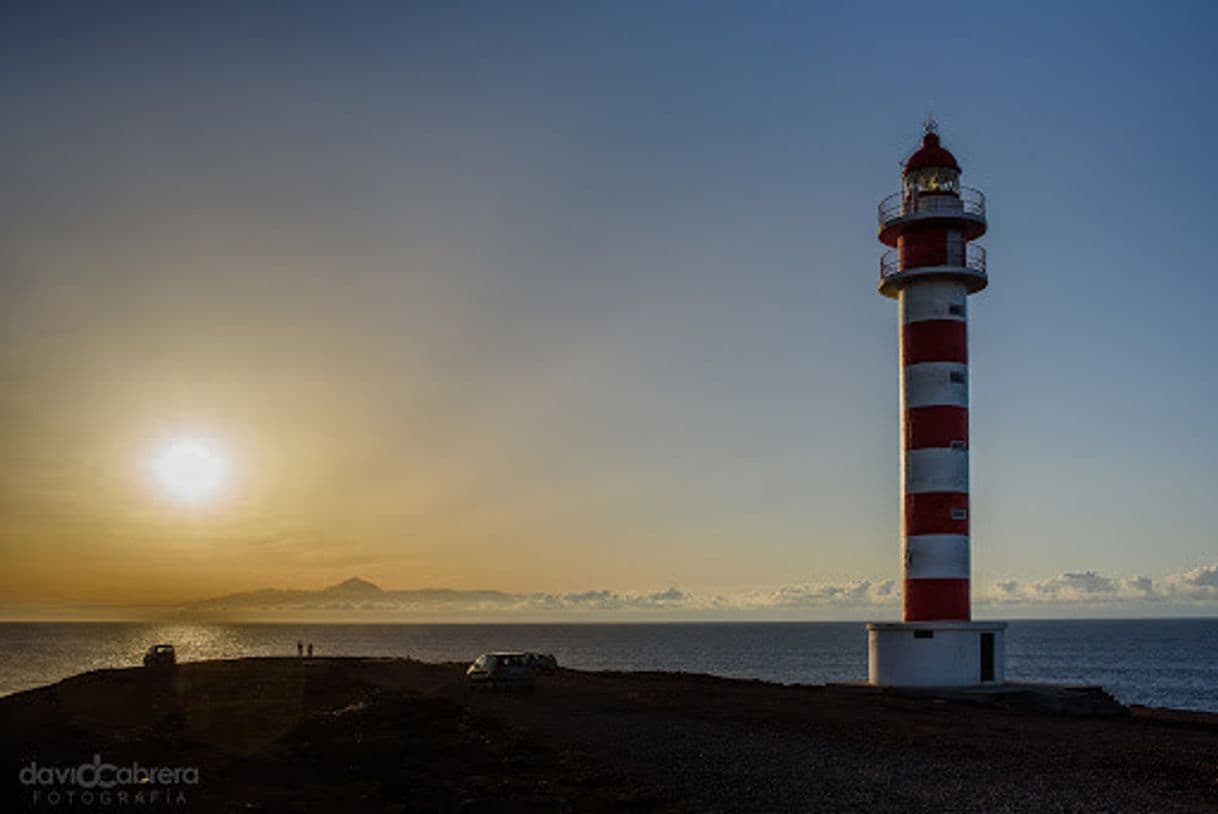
[898,205]
[974,259]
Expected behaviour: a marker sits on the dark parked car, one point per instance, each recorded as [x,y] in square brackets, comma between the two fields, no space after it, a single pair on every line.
[160,656]
[543,662]
[502,671]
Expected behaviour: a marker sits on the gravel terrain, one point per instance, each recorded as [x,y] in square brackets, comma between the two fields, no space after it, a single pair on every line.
[396,735]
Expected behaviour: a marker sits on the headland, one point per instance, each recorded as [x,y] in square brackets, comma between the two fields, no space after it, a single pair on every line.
[350,734]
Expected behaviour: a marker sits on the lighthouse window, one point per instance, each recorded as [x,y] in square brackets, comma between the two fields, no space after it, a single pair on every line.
[957,377]
[933,179]
[958,445]
[924,634]
[959,514]
[955,310]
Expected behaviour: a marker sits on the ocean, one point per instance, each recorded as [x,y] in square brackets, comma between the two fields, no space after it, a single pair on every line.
[1156,662]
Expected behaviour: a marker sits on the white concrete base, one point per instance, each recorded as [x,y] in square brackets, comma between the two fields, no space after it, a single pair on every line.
[936,654]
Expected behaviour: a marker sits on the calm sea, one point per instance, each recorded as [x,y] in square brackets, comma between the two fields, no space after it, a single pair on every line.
[1159,662]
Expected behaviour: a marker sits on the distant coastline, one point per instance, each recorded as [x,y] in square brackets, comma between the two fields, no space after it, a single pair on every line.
[1152,662]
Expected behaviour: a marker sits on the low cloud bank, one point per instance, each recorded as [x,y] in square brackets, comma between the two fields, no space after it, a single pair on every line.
[1089,587]
[1078,589]
[859,592]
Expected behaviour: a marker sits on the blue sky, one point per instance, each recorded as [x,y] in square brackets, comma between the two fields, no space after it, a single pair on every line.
[562,297]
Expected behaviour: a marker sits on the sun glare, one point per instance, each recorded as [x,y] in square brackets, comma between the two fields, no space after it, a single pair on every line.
[190,469]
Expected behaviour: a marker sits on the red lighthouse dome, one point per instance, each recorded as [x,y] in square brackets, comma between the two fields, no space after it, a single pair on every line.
[931,154]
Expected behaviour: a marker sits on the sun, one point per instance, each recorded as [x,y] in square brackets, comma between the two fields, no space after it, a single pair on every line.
[190,470]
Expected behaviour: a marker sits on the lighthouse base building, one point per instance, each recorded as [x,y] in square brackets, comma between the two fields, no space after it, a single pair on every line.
[931,269]
[936,654]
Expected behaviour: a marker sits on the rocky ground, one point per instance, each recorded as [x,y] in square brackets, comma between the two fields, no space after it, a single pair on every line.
[314,735]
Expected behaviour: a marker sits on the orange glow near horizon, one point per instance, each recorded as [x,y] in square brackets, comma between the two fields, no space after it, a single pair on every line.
[535,302]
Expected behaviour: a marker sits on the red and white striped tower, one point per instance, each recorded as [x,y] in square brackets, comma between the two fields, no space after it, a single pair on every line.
[930,271]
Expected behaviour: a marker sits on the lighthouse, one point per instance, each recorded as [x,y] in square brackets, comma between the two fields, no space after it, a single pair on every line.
[931,268]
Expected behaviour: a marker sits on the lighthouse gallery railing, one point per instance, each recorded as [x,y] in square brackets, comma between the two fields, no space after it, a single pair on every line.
[974,258]
[898,205]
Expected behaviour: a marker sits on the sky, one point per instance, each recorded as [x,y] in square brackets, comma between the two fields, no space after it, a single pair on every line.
[558,298]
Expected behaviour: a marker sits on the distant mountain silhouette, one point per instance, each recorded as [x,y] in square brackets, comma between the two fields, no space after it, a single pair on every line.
[353,593]
[354,587]
[356,594]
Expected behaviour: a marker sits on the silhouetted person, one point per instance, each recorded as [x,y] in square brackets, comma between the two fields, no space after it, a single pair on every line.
[300,648]
[310,650]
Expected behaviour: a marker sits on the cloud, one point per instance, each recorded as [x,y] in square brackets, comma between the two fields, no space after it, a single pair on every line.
[1199,584]
[1090,587]
[608,600]
[860,592]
